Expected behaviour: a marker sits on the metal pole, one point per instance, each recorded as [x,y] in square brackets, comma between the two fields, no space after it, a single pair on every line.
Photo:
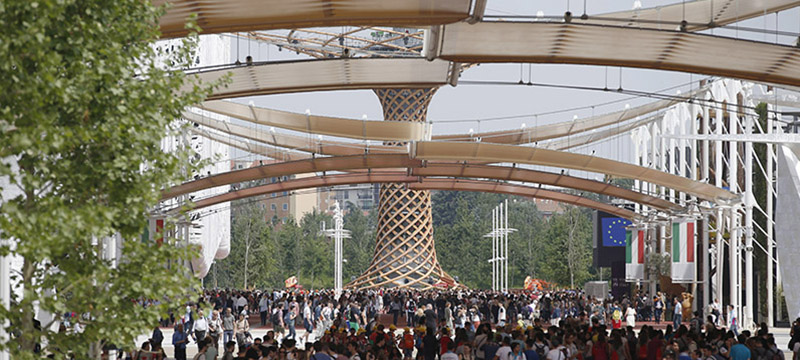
[505,246]
[704,173]
[733,183]
[720,214]
[748,222]
[500,247]
[494,249]
[770,237]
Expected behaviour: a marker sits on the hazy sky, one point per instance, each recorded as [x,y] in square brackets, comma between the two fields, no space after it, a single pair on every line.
[466,102]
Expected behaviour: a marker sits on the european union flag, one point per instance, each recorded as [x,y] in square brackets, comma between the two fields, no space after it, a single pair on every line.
[613,230]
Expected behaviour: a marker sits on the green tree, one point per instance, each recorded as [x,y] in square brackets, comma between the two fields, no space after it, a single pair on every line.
[250,259]
[568,249]
[317,260]
[359,248]
[84,108]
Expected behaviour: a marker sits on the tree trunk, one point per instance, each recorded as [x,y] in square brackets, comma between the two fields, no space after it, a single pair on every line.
[26,340]
[571,251]
[246,253]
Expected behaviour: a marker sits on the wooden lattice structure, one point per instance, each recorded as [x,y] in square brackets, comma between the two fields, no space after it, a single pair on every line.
[405,255]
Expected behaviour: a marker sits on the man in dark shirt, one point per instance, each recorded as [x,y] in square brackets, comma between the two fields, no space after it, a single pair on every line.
[430,318]
[179,340]
[430,346]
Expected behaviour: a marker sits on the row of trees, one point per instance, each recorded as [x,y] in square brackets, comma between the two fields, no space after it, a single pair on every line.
[264,255]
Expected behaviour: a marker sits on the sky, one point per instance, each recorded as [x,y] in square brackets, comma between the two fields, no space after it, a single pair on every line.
[474,105]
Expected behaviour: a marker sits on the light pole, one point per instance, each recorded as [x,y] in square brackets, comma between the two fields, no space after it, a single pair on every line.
[499,235]
[337,233]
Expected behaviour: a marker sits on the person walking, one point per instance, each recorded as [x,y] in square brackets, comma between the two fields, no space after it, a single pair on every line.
[200,327]
[228,321]
[733,322]
[240,330]
[630,317]
[677,314]
[215,328]
[179,341]
[263,309]
[658,307]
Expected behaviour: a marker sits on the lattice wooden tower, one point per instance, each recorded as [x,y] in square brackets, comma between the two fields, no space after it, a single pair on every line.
[405,255]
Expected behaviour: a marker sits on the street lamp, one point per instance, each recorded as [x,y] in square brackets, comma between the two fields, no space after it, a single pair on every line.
[337,233]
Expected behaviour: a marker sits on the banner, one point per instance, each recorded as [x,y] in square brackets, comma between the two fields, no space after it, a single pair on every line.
[634,255]
[683,246]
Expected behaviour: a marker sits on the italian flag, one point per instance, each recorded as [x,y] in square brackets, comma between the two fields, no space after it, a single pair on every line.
[683,248]
[634,255]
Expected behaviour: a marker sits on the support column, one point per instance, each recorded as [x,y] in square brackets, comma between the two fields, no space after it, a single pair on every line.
[748,225]
[405,255]
[718,167]
[770,227]
[494,249]
[505,245]
[735,240]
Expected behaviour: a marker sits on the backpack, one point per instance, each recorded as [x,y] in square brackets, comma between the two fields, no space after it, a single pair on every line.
[539,350]
[408,341]
[276,316]
[772,355]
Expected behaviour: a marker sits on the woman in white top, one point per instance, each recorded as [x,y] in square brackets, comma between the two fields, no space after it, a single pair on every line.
[630,316]
[501,314]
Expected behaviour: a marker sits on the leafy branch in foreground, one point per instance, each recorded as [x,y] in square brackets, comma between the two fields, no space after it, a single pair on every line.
[85,106]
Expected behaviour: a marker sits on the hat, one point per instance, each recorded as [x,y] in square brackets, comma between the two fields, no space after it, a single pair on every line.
[406,330]
[392,327]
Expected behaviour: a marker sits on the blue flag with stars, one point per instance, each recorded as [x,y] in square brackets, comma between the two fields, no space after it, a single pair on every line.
[614,231]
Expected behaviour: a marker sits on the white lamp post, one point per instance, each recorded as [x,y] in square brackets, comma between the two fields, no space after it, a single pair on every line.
[337,233]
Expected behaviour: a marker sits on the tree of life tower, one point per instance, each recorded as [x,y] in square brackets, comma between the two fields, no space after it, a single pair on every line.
[405,255]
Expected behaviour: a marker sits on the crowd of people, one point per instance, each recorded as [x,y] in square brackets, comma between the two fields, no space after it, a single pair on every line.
[456,324]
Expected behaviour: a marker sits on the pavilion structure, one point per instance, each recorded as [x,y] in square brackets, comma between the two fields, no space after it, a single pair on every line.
[694,153]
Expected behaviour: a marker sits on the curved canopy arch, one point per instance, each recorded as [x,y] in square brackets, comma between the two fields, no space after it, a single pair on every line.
[323,125]
[493,153]
[216,16]
[699,14]
[306,144]
[329,74]
[564,43]
[414,182]
[373,163]
[417,131]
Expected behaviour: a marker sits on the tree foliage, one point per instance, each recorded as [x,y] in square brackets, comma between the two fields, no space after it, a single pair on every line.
[84,108]
[540,248]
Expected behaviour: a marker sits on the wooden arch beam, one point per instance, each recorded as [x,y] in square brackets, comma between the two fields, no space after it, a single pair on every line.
[375,162]
[414,182]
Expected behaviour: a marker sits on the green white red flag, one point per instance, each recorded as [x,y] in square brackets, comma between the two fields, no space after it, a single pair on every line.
[683,251]
[634,255]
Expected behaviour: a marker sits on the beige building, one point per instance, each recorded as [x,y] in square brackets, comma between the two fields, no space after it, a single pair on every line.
[280,206]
